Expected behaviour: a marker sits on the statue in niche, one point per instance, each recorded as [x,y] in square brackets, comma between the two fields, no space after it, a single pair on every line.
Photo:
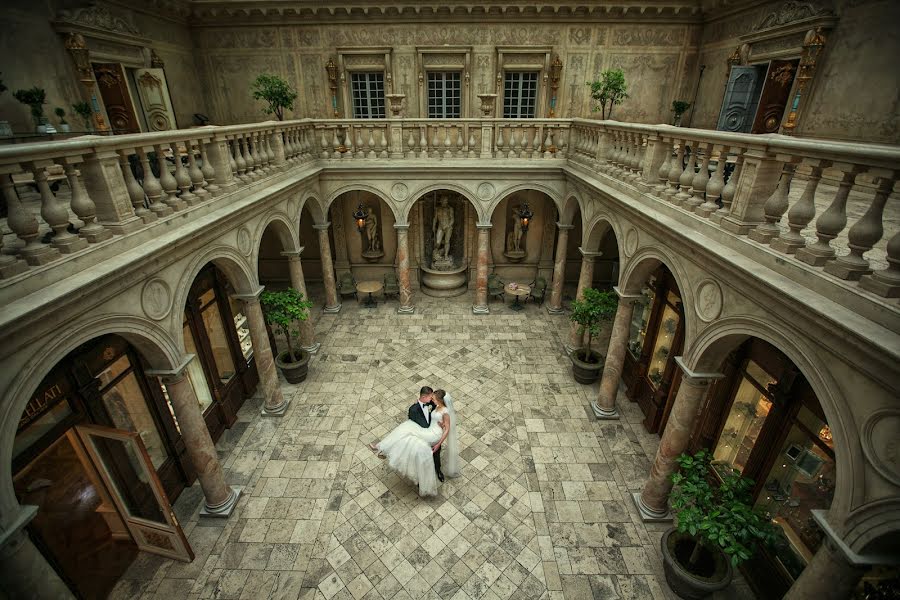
[515,241]
[442,229]
[373,250]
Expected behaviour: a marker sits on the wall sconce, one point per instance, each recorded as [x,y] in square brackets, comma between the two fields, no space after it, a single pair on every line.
[360,216]
[555,69]
[332,84]
[525,215]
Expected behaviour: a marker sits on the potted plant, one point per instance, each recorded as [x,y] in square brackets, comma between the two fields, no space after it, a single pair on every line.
[716,528]
[590,312]
[608,91]
[83,110]
[35,99]
[284,309]
[61,115]
[679,107]
[276,92]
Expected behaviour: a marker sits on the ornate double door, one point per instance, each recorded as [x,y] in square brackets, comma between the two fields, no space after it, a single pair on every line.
[150,110]
[756,97]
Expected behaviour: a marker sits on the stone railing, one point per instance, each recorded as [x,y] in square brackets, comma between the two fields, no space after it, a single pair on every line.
[119,185]
[742,184]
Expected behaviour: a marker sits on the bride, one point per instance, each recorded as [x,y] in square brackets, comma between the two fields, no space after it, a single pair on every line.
[409,446]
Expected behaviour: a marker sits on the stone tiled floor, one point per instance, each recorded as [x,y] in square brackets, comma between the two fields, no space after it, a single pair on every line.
[541,510]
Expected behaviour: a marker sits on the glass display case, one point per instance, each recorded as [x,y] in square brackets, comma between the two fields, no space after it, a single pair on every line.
[662,345]
[637,331]
[243,332]
[748,414]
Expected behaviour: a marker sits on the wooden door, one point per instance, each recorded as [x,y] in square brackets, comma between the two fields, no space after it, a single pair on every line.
[154,96]
[774,97]
[741,99]
[126,470]
[114,90]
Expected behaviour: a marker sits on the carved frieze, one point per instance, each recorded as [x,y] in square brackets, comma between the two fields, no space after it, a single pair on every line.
[648,36]
[97,17]
[580,36]
[790,11]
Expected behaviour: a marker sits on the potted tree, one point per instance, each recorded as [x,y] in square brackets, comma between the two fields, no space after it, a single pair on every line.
[284,309]
[590,312]
[276,92]
[608,91]
[679,107]
[716,528]
[83,110]
[61,115]
[35,99]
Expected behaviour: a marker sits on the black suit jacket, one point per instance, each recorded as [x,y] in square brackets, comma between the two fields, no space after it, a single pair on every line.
[416,415]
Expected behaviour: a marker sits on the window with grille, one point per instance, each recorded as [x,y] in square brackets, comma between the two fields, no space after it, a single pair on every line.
[443,95]
[367,90]
[520,94]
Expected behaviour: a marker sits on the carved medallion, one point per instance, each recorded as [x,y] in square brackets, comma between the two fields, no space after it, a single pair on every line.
[631,241]
[881,443]
[485,191]
[292,208]
[709,300]
[243,241]
[399,191]
[156,299]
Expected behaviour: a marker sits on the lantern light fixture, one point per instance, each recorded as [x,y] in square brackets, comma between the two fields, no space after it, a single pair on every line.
[525,216]
[360,216]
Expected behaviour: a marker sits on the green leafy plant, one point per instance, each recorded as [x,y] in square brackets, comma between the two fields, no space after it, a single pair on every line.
[35,99]
[276,92]
[608,91]
[61,114]
[717,516]
[590,312]
[679,107]
[284,309]
[83,110]
[3,88]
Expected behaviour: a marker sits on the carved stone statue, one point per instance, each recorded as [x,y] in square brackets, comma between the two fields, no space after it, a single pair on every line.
[372,230]
[514,250]
[442,227]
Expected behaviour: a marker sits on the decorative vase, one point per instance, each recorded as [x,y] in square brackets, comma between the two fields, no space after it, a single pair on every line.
[65,127]
[396,101]
[487,104]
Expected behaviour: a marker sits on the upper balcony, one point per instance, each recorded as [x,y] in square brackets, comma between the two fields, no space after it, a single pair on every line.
[819,213]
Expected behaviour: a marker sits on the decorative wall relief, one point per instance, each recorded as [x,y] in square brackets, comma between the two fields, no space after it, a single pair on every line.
[244,243]
[580,36]
[156,299]
[709,300]
[444,241]
[647,36]
[881,443]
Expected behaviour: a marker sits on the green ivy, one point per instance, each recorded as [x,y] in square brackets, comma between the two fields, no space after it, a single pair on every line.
[284,309]
[717,515]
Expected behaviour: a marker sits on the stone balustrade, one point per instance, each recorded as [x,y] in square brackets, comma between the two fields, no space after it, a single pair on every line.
[119,185]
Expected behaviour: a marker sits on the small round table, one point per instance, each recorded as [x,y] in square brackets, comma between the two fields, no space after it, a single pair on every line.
[518,291]
[369,287]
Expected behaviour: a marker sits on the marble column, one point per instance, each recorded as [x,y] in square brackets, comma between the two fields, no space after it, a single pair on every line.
[308,327]
[24,572]
[604,406]
[559,270]
[828,576]
[585,280]
[274,404]
[481,270]
[220,498]
[332,303]
[406,305]
[653,501]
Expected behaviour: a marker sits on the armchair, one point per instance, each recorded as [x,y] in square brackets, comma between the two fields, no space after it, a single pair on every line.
[538,290]
[391,285]
[347,285]
[496,287]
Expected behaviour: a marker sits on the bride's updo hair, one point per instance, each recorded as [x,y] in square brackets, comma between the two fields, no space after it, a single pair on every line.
[439,394]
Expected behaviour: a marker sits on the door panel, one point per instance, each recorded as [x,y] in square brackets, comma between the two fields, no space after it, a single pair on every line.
[774,97]
[114,91]
[741,99]
[154,96]
[123,463]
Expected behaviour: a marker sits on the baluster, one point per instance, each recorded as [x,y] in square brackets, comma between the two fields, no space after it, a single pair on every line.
[471,141]
[548,142]
[447,143]
[182,177]
[803,211]
[423,141]
[700,180]
[348,142]
[830,224]
[152,188]
[460,141]
[259,153]
[84,207]
[168,182]
[231,145]
[433,150]
[500,142]
[240,162]
[716,184]
[10,266]
[323,143]
[336,145]
[637,143]
[55,214]
[209,172]
[371,144]
[290,150]
[252,171]
[514,146]
[563,148]
[270,151]
[675,172]
[730,188]
[527,149]
[864,234]
[360,149]
[536,143]
[775,206]
[886,282]
[195,173]
[687,175]
[383,143]
[411,144]
[22,222]
[135,192]
[613,158]
[663,173]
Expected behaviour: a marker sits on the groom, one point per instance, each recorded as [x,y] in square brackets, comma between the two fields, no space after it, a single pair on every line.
[420,414]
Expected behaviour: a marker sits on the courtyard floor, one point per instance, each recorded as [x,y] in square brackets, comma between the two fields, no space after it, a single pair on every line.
[542,508]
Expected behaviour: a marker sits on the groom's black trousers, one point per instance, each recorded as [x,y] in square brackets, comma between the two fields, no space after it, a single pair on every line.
[415,414]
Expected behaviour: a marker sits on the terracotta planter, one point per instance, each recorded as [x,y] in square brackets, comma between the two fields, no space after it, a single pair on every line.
[294,372]
[676,549]
[586,372]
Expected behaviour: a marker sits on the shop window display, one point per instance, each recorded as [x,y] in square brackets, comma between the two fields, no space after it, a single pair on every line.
[748,414]
[639,319]
[215,330]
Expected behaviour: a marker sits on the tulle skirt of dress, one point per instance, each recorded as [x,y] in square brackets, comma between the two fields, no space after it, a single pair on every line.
[408,451]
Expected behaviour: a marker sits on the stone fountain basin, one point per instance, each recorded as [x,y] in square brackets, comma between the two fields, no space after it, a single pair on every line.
[444,284]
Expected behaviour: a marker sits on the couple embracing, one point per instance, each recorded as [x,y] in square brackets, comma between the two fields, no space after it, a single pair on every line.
[413,448]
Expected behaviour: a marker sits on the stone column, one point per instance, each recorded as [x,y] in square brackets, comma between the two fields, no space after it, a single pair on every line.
[653,501]
[585,280]
[24,572]
[274,403]
[308,327]
[406,305]
[221,499]
[332,303]
[828,576]
[604,406]
[481,270]
[559,269]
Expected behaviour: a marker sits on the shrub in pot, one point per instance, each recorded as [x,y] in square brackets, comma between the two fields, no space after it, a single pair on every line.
[284,309]
[608,91]
[35,99]
[276,92]
[589,313]
[84,110]
[716,528]
[61,115]
[679,107]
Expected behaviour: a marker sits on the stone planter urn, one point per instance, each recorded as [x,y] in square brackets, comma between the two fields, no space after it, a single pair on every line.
[396,103]
[294,372]
[586,371]
[487,104]
[716,572]
[444,283]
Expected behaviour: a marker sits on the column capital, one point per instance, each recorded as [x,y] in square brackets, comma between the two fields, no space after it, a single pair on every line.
[624,297]
[249,297]
[588,255]
[481,226]
[175,374]
[322,226]
[564,227]
[696,377]
[401,226]
[294,253]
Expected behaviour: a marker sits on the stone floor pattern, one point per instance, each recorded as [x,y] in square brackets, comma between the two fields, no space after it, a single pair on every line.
[541,510]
